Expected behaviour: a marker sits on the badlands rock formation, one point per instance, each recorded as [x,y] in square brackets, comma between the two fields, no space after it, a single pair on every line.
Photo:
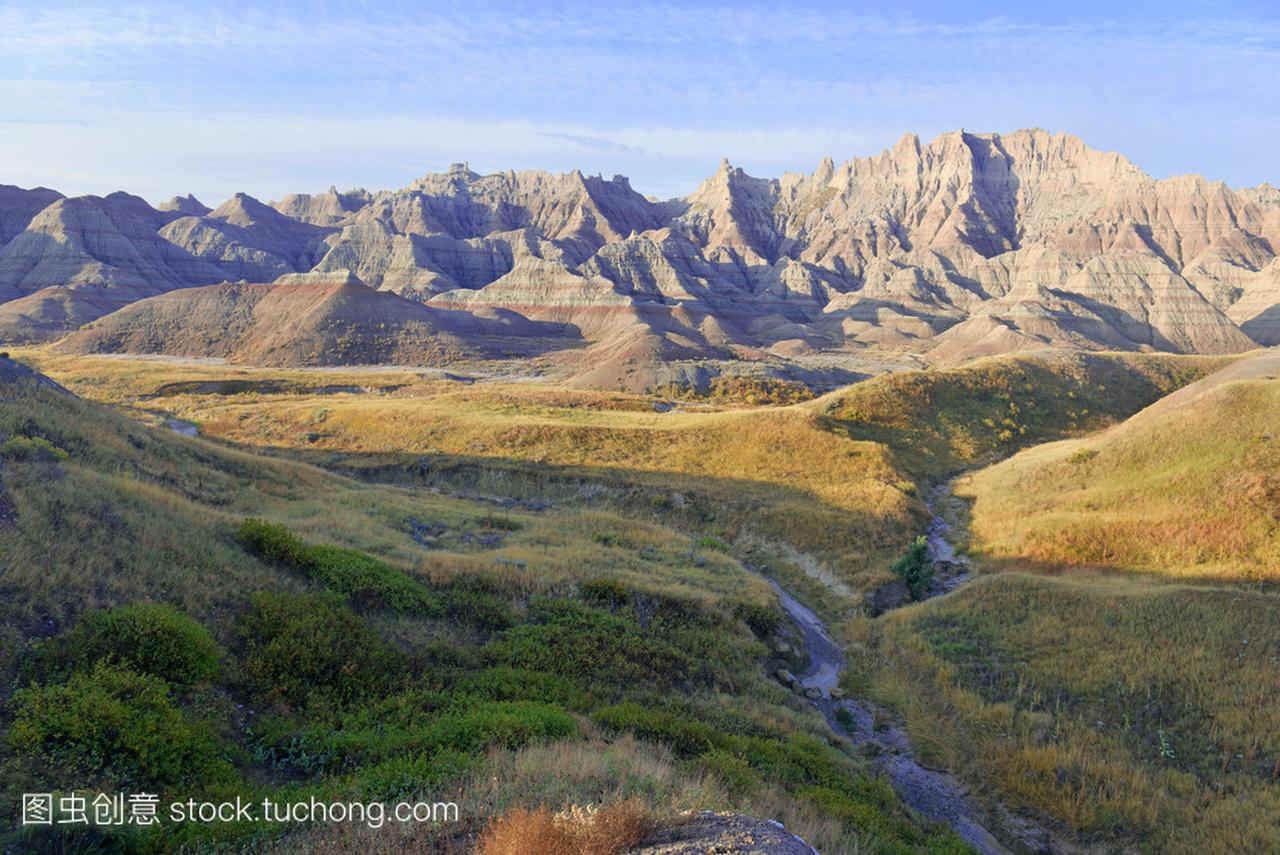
[306,319]
[968,245]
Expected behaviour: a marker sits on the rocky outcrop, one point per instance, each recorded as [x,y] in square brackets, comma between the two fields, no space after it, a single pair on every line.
[725,833]
[186,205]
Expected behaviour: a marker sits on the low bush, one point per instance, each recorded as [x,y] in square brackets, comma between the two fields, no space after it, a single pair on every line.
[507,724]
[404,726]
[514,684]
[297,647]
[763,620]
[31,448]
[405,776]
[368,581]
[686,737]
[112,725]
[603,591]
[1081,456]
[731,770]
[915,568]
[468,600]
[149,638]
[592,648]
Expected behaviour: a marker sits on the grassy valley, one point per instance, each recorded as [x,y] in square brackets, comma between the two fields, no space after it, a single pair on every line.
[194,620]
[576,567]
[1117,667]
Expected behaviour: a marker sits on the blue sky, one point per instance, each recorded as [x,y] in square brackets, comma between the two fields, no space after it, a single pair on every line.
[217,97]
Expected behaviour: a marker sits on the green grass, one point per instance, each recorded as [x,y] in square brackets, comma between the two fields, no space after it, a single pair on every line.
[942,421]
[210,622]
[1135,712]
[611,596]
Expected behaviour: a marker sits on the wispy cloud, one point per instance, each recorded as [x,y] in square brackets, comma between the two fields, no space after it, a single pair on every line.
[246,96]
[595,143]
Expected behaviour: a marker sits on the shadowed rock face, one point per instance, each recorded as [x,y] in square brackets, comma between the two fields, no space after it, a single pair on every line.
[304,319]
[968,245]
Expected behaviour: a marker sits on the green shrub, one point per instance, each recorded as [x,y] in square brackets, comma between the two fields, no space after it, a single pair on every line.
[709,542]
[733,771]
[366,580]
[605,592]
[408,775]
[509,724]
[762,619]
[1083,455]
[915,568]
[591,648]
[369,581]
[115,725]
[515,684]
[684,736]
[150,638]
[31,448]
[273,541]
[468,600]
[297,647]
[406,724]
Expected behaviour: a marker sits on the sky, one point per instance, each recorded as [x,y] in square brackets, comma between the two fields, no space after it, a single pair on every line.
[213,98]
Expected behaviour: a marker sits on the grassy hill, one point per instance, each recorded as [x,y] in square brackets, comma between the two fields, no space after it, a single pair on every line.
[940,422]
[1139,714]
[775,481]
[192,620]
[1188,488]
[1125,707]
[825,493]
[1129,688]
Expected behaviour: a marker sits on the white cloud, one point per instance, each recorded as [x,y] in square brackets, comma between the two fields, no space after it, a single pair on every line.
[162,98]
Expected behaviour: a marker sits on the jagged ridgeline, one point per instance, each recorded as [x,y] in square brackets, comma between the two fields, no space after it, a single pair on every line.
[972,244]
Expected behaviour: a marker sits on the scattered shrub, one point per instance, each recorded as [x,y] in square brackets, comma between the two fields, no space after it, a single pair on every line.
[605,592]
[762,619]
[731,770]
[592,648]
[685,736]
[915,568]
[468,600]
[709,542]
[31,448]
[1083,455]
[508,724]
[369,582]
[515,684]
[150,638]
[299,646]
[405,776]
[114,724]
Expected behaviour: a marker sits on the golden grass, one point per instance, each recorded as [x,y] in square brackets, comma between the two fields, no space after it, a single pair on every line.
[1190,491]
[1128,709]
[774,474]
[142,512]
[609,830]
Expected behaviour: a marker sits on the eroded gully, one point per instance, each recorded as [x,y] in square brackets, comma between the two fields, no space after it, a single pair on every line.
[935,795]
